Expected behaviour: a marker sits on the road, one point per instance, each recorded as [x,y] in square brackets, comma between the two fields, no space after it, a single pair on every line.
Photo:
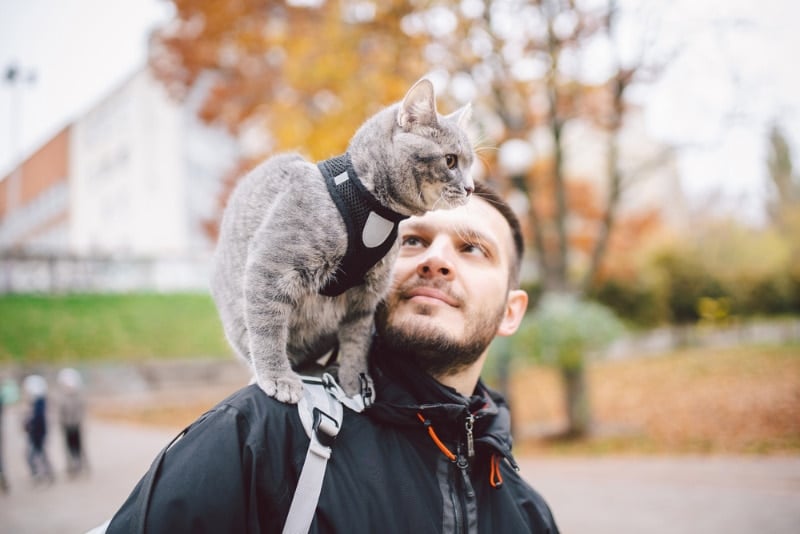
[653,495]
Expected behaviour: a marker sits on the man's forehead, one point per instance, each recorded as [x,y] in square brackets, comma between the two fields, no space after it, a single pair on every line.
[460,217]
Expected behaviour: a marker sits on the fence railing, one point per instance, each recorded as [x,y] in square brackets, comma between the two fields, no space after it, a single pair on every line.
[675,337]
[68,274]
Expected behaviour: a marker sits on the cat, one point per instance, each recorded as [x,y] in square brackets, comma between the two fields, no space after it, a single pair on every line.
[280,277]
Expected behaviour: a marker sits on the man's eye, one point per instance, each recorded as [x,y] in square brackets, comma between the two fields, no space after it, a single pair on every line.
[411,241]
[451,160]
[471,248]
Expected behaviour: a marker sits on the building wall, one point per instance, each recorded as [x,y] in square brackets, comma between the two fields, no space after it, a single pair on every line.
[34,200]
[123,192]
[128,176]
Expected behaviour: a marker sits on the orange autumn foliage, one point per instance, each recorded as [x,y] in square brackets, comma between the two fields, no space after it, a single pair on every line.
[584,205]
[307,75]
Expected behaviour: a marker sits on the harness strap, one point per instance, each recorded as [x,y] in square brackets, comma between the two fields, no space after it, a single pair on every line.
[321,416]
[321,413]
[371,226]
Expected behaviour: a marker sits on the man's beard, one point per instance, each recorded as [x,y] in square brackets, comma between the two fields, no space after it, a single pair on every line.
[433,350]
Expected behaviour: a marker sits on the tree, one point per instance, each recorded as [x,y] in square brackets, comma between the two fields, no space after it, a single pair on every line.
[785,198]
[784,204]
[305,73]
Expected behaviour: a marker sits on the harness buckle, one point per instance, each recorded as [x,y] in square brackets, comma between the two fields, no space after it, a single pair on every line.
[325,427]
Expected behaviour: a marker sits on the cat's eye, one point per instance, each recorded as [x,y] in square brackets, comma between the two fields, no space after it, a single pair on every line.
[451,160]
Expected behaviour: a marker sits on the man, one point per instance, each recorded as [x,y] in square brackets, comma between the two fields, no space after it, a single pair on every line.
[433,452]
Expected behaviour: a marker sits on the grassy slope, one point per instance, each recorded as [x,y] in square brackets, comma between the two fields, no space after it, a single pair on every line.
[74,328]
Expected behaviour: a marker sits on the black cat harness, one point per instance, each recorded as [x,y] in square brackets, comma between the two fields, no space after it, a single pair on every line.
[371,226]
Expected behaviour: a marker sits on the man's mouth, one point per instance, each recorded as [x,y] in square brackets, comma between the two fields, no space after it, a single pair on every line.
[428,293]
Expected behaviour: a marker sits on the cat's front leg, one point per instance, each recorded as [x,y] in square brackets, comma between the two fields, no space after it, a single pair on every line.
[355,335]
[267,317]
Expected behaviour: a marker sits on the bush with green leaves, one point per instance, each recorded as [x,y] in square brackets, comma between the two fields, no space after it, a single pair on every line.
[563,329]
[562,332]
[754,271]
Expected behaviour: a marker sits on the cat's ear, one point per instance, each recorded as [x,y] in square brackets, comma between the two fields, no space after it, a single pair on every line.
[461,116]
[418,106]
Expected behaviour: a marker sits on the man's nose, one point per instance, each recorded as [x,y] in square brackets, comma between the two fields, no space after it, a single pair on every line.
[436,262]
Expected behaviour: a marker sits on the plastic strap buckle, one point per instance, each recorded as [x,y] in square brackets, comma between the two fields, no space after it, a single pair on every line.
[325,427]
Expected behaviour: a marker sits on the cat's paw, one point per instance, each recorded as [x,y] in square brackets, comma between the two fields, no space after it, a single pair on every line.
[351,381]
[288,389]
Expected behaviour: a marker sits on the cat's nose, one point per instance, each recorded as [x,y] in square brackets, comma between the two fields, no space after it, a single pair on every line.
[469,185]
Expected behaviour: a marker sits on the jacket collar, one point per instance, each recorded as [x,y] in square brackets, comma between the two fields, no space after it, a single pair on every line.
[403,390]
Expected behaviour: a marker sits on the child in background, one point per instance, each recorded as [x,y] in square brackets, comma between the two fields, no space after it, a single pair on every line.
[35,387]
[72,408]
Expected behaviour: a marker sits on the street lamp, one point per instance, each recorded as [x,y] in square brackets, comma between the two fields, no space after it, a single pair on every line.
[16,77]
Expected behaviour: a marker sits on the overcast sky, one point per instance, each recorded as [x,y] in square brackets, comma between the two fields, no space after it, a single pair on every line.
[733,77]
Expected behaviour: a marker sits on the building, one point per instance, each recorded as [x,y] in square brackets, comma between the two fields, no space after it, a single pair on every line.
[118,199]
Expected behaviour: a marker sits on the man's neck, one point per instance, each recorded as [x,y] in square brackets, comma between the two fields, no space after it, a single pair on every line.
[465,380]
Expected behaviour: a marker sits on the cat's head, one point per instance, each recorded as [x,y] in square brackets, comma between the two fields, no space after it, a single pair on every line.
[428,155]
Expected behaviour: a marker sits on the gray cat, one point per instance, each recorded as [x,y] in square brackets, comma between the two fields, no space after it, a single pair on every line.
[305,251]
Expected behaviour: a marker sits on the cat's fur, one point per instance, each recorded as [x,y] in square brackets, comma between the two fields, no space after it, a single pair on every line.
[282,238]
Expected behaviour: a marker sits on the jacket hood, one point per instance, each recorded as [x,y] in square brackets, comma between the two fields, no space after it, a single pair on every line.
[404,391]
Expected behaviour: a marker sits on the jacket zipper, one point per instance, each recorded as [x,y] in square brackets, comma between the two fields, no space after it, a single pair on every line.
[466,490]
[461,490]
[470,421]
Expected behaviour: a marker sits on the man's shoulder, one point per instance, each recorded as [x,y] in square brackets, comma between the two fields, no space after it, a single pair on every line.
[252,403]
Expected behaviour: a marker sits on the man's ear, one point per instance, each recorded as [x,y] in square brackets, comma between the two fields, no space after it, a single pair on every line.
[516,304]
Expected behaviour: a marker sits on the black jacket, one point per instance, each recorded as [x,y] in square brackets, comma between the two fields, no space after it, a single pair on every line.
[236,468]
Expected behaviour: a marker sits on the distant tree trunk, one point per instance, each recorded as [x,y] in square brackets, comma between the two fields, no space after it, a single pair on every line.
[557,275]
[576,401]
[535,225]
[504,357]
[607,223]
[619,83]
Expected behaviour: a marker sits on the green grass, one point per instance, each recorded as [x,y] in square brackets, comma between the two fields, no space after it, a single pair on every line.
[71,328]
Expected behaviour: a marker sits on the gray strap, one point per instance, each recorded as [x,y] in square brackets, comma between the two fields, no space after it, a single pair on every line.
[321,415]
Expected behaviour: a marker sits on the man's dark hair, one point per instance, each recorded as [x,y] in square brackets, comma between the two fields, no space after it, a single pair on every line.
[485,192]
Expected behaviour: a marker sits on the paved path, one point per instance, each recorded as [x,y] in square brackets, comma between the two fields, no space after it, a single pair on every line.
[119,455]
[670,495]
[653,495]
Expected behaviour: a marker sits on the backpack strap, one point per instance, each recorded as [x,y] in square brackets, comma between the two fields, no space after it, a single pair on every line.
[321,413]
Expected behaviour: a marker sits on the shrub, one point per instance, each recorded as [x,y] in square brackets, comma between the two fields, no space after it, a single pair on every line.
[563,328]
[633,301]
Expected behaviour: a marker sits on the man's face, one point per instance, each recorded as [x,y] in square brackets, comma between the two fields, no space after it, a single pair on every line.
[450,292]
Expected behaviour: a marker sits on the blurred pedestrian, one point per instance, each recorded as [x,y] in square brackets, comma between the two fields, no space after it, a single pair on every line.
[72,409]
[35,387]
